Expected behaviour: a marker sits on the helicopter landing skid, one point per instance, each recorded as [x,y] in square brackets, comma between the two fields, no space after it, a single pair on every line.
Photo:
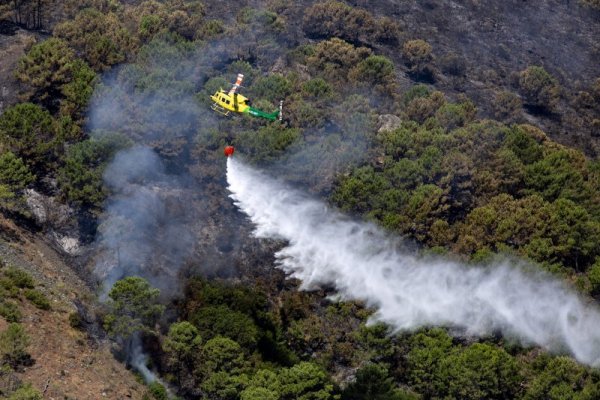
[220,109]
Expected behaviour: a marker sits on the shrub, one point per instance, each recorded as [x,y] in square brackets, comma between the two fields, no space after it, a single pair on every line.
[158,391]
[539,88]
[13,344]
[507,107]
[422,108]
[8,286]
[10,311]
[595,4]
[337,19]
[333,58]
[37,298]
[75,320]
[373,70]
[317,87]
[25,392]
[99,37]
[272,87]
[453,64]
[417,54]
[20,278]
[452,115]
[387,31]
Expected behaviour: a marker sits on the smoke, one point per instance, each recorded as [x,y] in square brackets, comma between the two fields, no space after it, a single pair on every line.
[362,262]
[141,235]
[138,360]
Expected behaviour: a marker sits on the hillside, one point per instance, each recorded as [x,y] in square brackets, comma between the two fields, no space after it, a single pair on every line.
[423,223]
[66,361]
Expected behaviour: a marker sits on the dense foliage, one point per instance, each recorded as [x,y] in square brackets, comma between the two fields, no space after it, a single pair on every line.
[417,161]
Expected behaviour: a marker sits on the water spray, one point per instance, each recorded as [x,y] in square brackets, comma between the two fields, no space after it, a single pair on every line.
[363,262]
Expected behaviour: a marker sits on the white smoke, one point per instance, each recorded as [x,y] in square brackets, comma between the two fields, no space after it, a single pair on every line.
[362,262]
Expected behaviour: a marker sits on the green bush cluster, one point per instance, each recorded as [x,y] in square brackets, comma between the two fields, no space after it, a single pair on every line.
[539,88]
[37,298]
[336,19]
[481,186]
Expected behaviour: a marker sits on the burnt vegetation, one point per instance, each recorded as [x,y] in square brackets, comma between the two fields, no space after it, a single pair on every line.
[471,128]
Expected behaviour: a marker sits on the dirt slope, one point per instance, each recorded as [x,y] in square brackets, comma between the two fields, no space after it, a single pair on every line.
[68,363]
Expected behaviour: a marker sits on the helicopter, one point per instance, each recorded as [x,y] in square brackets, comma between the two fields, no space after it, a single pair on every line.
[225,102]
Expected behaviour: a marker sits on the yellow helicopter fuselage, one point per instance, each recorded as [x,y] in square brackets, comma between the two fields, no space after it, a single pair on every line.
[230,102]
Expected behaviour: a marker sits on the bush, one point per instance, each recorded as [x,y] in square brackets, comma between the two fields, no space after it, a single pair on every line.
[453,64]
[99,37]
[373,70]
[595,4]
[25,392]
[8,287]
[337,19]
[37,298]
[13,344]
[452,115]
[20,278]
[507,107]
[158,391]
[333,58]
[10,311]
[318,88]
[273,87]
[417,54]
[539,88]
[75,320]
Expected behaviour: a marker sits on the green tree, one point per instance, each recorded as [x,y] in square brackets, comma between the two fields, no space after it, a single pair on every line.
[560,378]
[133,307]
[373,383]
[223,321]
[258,393]
[305,381]
[221,354]
[481,371]
[28,131]
[594,276]
[56,77]
[182,345]
[99,37]
[13,172]
[223,385]
[427,352]
[264,383]
[558,174]
[80,176]
[14,342]
[14,177]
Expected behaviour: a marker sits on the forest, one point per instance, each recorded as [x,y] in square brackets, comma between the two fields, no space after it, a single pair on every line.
[475,155]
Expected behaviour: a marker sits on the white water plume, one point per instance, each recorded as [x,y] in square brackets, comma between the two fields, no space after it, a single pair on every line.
[362,262]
